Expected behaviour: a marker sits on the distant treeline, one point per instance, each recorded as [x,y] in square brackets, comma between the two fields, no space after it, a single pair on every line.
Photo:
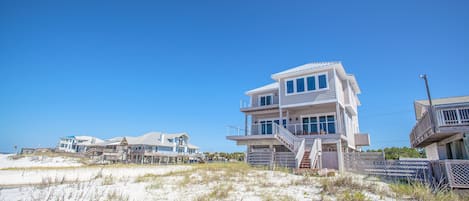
[239,156]
[393,153]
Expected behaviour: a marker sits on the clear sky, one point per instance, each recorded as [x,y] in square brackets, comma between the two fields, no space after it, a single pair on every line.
[113,68]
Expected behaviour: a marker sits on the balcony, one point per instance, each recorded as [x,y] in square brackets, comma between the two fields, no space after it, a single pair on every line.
[268,131]
[248,107]
[448,121]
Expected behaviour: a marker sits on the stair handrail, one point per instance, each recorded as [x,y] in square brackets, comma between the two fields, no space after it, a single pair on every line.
[300,153]
[288,136]
[315,153]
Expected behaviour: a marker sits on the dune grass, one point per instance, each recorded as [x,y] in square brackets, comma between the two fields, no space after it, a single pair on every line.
[421,191]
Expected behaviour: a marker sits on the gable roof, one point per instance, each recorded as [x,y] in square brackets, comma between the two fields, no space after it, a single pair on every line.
[265,88]
[302,68]
[419,105]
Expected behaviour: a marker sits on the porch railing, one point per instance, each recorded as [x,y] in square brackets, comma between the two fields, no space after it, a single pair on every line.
[268,128]
[453,116]
[246,104]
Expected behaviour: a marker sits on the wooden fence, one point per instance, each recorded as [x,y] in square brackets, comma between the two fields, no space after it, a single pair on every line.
[373,163]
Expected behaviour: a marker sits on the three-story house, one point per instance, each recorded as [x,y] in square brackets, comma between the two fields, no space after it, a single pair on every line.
[306,118]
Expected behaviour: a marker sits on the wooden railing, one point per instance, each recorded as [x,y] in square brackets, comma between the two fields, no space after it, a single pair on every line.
[455,116]
[422,130]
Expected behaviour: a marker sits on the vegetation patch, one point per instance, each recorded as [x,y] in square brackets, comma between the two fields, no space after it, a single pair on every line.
[420,191]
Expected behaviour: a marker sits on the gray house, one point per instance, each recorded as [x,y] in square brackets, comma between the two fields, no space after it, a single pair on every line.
[443,131]
[306,118]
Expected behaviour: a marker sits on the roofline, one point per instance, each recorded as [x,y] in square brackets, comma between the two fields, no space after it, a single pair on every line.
[326,65]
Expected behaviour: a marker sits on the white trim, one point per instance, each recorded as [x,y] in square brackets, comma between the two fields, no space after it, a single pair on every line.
[304,77]
[309,103]
[265,95]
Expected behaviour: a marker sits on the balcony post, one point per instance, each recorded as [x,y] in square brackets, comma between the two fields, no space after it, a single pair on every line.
[245,124]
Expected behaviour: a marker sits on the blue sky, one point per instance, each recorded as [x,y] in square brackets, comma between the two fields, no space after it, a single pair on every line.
[113,68]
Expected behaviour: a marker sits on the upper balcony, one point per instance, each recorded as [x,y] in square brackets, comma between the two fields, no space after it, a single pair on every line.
[448,121]
[269,130]
[258,106]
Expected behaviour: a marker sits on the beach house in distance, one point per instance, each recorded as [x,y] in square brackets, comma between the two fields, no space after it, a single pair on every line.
[306,118]
[150,148]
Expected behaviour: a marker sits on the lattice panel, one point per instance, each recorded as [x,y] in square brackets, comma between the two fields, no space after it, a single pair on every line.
[459,174]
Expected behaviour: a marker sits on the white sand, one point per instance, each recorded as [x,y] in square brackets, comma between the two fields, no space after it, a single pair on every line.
[37,161]
[62,181]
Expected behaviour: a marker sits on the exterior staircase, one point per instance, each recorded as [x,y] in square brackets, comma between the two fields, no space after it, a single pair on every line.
[305,162]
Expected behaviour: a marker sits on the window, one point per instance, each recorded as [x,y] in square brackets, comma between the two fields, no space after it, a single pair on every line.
[311,82]
[322,81]
[325,125]
[266,127]
[305,84]
[300,85]
[265,100]
[284,122]
[290,86]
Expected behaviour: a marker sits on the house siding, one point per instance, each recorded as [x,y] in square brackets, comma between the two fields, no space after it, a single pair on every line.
[317,96]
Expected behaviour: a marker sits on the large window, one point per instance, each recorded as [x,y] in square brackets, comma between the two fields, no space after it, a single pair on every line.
[322,124]
[306,84]
[266,127]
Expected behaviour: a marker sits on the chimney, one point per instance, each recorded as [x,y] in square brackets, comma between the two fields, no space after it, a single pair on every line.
[162,138]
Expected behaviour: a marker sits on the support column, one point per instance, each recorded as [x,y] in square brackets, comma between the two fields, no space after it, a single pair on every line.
[271,148]
[338,119]
[245,124]
[280,116]
[340,157]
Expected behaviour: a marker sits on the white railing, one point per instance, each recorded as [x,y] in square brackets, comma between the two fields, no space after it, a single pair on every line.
[246,104]
[302,129]
[315,154]
[236,131]
[455,116]
[300,153]
[290,141]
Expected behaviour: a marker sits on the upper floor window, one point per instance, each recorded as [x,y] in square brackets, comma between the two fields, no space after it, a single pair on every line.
[322,81]
[290,87]
[265,100]
[311,81]
[300,84]
[305,84]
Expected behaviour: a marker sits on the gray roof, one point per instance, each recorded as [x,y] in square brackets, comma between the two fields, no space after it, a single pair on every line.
[265,88]
[419,105]
[305,67]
